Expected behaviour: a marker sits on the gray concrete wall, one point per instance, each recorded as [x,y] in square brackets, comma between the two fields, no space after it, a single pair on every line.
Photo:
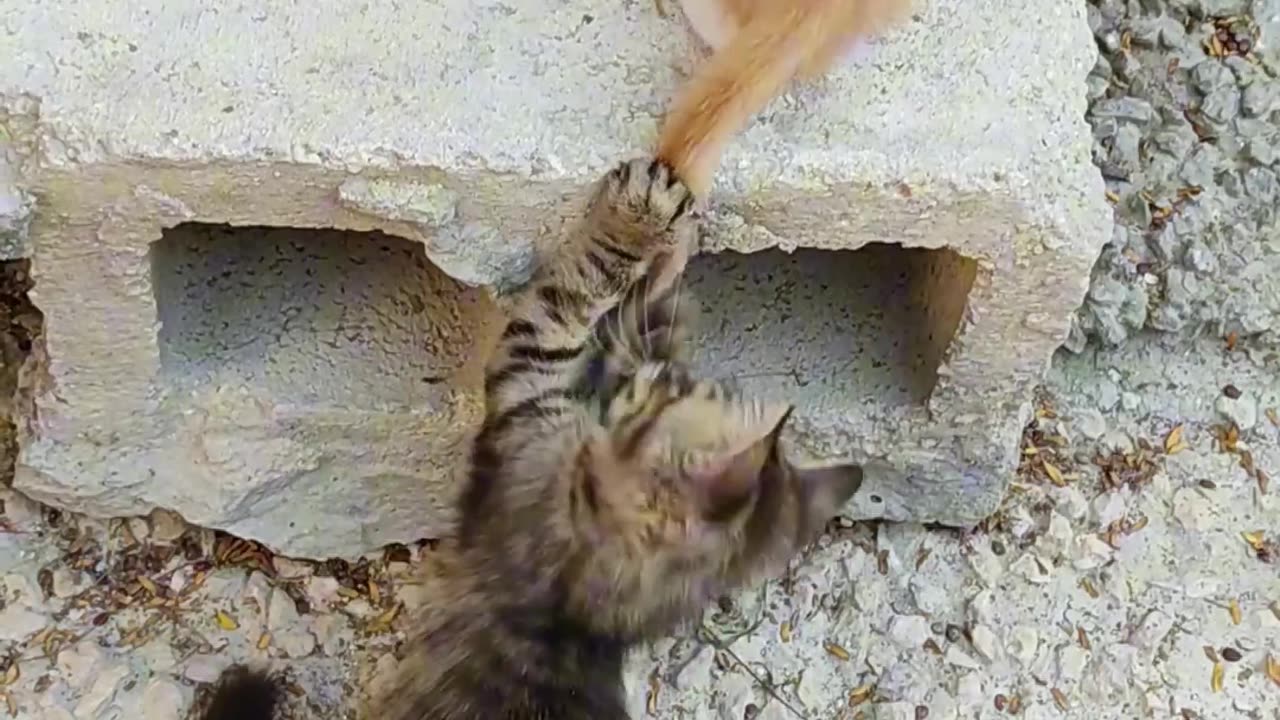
[268,241]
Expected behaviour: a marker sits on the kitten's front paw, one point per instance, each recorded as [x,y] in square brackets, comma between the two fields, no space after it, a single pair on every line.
[644,200]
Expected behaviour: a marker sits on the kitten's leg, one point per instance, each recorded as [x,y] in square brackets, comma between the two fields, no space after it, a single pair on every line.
[638,212]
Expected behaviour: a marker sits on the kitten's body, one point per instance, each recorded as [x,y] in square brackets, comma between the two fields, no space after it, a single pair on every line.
[612,495]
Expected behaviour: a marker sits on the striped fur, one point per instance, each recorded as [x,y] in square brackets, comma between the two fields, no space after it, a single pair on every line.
[244,693]
[612,494]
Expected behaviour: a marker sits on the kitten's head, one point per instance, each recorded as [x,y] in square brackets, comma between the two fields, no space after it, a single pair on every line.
[682,494]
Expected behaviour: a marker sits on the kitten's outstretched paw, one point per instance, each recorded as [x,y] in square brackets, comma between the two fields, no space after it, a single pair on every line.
[646,197]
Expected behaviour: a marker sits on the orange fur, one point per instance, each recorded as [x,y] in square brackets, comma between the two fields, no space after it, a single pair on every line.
[766,44]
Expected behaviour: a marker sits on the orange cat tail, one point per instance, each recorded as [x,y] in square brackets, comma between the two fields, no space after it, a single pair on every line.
[780,40]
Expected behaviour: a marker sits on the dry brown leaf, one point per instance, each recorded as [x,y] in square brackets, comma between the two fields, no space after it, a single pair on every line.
[11,674]
[1087,585]
[1055,475]
[1233,608]
[1211,653]
[148,585]
[225,621]
[922,555]
[1083,638]
[1060,699]
[836,651]
[860,695]
[375,595]
[1173,439]
[651,702]
[1256,539]
[1215,680]
[1273,669]
[388,616]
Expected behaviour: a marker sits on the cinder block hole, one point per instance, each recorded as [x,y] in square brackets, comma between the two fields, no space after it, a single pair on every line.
[832,328]
[310,317]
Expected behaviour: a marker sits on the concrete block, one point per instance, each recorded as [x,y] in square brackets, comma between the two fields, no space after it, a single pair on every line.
[266,238]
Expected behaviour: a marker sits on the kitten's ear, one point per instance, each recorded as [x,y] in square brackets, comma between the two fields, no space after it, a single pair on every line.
[828,489]
[729,479]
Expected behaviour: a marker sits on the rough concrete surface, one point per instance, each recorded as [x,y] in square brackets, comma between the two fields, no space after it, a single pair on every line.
[1112,593]
[209,371]
[1185,107]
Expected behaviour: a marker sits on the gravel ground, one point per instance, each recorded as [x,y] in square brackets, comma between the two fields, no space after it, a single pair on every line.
[1133,573]
[1185,108]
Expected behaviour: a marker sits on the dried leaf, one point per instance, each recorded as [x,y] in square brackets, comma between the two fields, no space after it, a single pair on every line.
[922,556]
[1055,475]
[1087,585]
[264,640]
[1112,196]
[1015,704]
[861,694]
[784,632]
[225,621]
[1060,699]
[11,674]
[1256,539]
[836,651]
[1229,438]
[148,585]
[388,616]
[1215,680]
[1273,416]
[1233,607]
[1173,439]
[375,595]
[1083,638]
[655,684]
[1264,480]
[1273,669]
[1211,653]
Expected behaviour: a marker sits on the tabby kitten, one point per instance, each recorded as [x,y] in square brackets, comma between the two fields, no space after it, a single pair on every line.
[612,495]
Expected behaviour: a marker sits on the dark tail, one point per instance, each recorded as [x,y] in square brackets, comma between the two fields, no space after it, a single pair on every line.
[244,694]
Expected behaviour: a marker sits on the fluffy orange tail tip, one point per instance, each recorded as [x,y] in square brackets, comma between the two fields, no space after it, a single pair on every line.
[774,41]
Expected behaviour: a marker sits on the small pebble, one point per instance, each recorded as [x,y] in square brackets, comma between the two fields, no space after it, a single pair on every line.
[1231,654]
[1231,391]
